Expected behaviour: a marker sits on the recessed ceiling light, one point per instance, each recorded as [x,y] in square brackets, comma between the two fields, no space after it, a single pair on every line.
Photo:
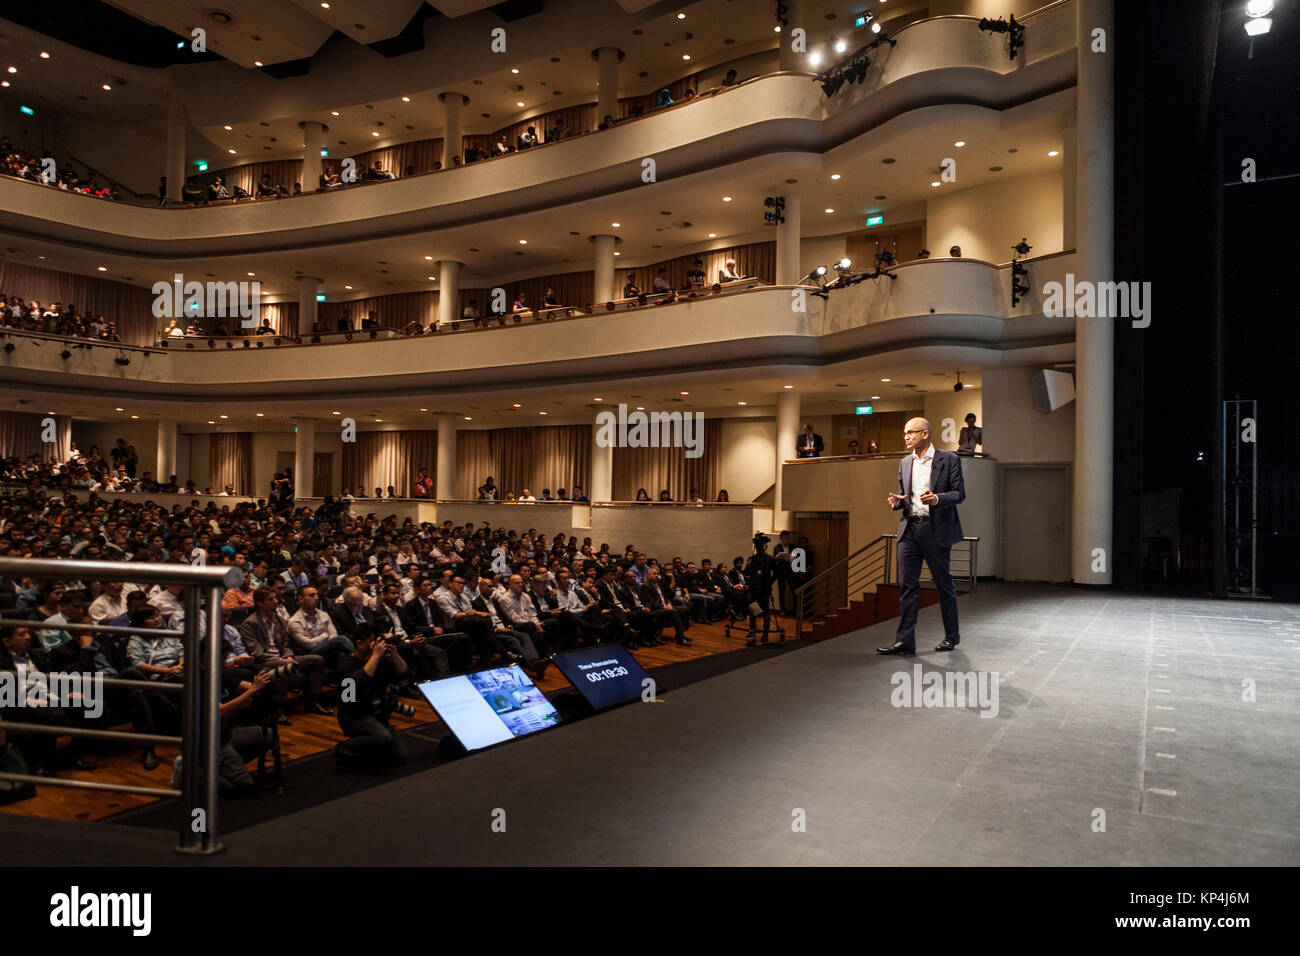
[713,235]
[103,268]
[885,380]
[230,151]
[681,16]
[228,127]
[960,143]
[260,415]
[935,183]
[211,422]
[4,82]
[517,405]
[830,210]
[428,258]
[594,400]
[13,69]
[835,175]
[121,409]
[640,408]
[347,287]
[726,199]
[520,105]
[523,242]
[874,397]
[789,386]
[374,133]
[336,413]
[135,416]
[44,55]
[1053,152]
[617,253]
[257,63]
[686,56]
[468,418]
[432,278]
[325,6]
[379,419]
[105,86]
[742,403]
[541,413]
[514,69]
[406,99]
[227,416]
[616,224]
[334,112]
[252,273]
[686,393]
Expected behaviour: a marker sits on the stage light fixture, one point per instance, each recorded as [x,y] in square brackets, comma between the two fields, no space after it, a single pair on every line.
[1016,32]
[959,386]
[65,355]
[230,345]
[212,344]
[260,343]
[842,267]
[9,346]
[121,360]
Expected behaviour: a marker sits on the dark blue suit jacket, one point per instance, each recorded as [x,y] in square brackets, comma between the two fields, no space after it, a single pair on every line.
[945,481]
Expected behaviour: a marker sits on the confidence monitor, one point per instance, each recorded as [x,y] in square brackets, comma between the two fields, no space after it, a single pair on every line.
[491,706]
[605,676]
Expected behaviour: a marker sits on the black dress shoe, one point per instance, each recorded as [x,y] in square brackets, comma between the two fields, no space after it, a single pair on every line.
[899,648]
[947,645]
[149,760]
[314,707]
[81,763]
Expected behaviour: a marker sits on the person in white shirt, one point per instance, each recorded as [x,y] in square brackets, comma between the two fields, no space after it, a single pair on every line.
[110,604]
[166,598]
[728,272]
[527,497]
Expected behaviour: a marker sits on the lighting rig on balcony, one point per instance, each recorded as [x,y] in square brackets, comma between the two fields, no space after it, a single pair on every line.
[773,210]
[1019,289]
[852,69]
[844,277]
[1016,38]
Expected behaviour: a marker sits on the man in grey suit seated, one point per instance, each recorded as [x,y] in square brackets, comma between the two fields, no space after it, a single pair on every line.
[930,489]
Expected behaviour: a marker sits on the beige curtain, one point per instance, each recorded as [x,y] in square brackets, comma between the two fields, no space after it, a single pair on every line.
[231,461]
[379,459]
[284,172]
[755,259]
[420,155]
[536,458]
[22,435]
[394,311]
[130,306]
[283,317]
[656,469]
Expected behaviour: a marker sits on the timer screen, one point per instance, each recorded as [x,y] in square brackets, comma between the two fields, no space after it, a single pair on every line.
[487,707]
[605,675]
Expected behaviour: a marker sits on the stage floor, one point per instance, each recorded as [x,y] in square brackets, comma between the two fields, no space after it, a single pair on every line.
[1119,705]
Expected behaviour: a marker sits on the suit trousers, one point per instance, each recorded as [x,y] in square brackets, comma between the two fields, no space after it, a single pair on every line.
[917,542]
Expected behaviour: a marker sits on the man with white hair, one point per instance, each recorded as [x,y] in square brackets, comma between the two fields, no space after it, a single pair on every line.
[930,487]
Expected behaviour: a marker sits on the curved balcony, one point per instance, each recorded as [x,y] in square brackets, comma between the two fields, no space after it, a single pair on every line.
[945,60]
[954,309]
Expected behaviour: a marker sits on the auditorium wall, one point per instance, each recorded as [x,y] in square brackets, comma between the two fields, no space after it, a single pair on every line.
[1013,429]
[954,405]
[986,221]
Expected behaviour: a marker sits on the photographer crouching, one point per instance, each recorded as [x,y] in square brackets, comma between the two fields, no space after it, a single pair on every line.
[367,678]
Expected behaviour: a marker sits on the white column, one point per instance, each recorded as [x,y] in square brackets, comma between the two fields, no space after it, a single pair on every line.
[787,59]
[1069,182]
[448,292]
[1094,404]
[312,134]
[602,468]
[304,458]
[787,433]
[177,125]
[607,58]
[604,265]
[166,448]
[307,289]
[451,137]
[787,243]
[444,488]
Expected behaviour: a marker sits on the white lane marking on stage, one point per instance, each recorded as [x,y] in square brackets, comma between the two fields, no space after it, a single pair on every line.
[1167,756]
[1163,690]
[1163,793]
[1163,707]
[1168,730]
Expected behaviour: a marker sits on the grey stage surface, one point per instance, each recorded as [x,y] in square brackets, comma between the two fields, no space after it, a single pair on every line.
[1119,703]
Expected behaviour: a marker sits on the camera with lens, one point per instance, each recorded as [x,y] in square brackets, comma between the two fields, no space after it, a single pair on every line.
[283,671]
[391,703]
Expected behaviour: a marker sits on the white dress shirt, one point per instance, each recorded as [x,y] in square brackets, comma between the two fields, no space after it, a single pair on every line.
[921,466]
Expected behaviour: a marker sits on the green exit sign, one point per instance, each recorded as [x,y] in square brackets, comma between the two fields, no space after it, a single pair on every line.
[863,410]
[875,220]
[202,165]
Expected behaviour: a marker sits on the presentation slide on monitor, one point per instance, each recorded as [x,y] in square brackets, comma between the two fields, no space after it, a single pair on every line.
[490,706]
[605,676]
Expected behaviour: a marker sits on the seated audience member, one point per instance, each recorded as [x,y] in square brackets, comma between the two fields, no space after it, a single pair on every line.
[377,171]
[268,641]
[191,193]
[521,304]
[557,132]
[853,447]
[661,283]
[421,654]
[421,618]
[329,179]
[731,79]
[528,138]
[39,750]
[217,190]
[663,99]
[873,448]
[503,146]
[723,496]
[607,123]
[630,290]
[579,494]
[471,314]
[366,704]
[371,322]
[265,188]
[516,643]
[728,272]
[549,300]
[312,630]
[923,254]
[345,322]
[955,252]
[459,612]
[665,496]
[423,485]
[696,278]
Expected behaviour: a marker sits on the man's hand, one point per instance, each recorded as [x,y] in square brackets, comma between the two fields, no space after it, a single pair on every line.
[379,649]
[929,498]
[261,680]
[895,499]
[85,639]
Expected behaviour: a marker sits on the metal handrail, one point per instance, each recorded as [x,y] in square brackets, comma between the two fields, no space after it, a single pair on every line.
[200,689]
[822,580]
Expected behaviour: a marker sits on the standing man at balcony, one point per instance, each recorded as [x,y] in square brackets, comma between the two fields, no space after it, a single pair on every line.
[930,489]
[810,443]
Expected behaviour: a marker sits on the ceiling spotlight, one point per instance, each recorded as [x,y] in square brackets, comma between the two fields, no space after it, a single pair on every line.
[224,416]
[616,224]
[105,86]
[960,143]
[1259,8]
[830,210]
[44,55]
[406,99]
[681,16]
[875,26]
[334,112]
[103,268]
[523,242]
[1053,152]
[935,183]
[228,127]
[840,46]
[257,63]
[814,59]
[713,235]
[520,105]
[835,175]
[726,199]
[373,133]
